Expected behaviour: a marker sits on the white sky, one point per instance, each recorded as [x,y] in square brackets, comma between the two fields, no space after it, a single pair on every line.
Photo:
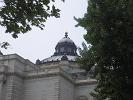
[40,44]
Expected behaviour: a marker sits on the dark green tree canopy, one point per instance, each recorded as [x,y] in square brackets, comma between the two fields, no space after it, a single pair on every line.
[17,16]
[109,26]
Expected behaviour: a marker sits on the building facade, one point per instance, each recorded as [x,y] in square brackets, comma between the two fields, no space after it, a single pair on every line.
[58,77]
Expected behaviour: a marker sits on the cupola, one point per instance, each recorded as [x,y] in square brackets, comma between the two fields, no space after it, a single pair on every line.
[65,47]
[64,50]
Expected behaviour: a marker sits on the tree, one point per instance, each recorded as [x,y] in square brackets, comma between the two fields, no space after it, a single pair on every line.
[17,16]
[109,26]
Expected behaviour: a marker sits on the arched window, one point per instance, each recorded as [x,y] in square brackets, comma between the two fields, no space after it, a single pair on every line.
[62,49]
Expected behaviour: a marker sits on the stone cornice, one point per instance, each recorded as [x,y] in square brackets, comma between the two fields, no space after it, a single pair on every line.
[86,82]
[43,74]
[17,57]
[12,56]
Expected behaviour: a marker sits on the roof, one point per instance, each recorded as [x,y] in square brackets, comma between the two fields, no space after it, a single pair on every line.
[64,50]
[58,58]
[66,39]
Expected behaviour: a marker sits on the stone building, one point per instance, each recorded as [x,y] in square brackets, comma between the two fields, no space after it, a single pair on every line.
[58,77]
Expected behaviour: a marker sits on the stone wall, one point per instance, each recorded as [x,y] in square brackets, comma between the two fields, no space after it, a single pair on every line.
[83,91]
[13,88]
[46,88]
[66,89]
[12,68]
[22,80]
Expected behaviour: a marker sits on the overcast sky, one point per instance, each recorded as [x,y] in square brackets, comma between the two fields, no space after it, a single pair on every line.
[40,44]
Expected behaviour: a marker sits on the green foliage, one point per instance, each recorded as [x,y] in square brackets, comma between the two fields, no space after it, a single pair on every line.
[109,25]
[17,16]
[4,45]
[84,56]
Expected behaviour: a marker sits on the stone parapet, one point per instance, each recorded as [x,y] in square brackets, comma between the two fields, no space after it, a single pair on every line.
[86,82]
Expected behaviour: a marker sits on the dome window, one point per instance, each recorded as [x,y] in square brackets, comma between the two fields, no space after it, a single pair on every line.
[62,49]
[69,50]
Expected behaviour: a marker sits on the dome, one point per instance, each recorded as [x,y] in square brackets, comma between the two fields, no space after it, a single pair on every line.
[65,47]
[64,50]
[66,39]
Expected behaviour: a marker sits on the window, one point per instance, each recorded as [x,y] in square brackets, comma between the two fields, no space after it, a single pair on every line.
[69,50]
[57,50]
[62,49]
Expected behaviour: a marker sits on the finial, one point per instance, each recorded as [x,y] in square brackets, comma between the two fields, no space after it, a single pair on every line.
[38,62]
[66,34]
